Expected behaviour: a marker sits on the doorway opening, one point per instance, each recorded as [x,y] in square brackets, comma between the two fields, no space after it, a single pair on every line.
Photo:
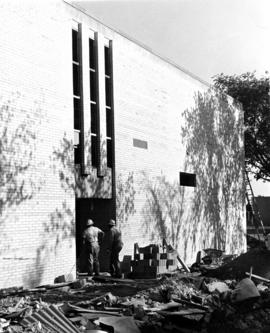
[100,211]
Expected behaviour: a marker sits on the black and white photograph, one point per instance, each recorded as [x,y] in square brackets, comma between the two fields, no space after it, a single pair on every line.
[135,166]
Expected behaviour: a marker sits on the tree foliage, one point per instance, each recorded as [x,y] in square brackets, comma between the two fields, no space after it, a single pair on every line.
[253,94]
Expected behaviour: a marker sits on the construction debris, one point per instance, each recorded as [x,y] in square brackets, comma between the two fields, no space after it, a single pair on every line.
[219,286]
[257,258]
[118,325]
[244,290]
[52,318]
[182,302]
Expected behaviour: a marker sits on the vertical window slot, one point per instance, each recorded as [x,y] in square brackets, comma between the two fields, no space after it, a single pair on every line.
[93,101]
[107,61]
[75,49]
[109,153]
[77,114]
[77,93]
[109,122]
[93,86]
[94,118]
[92,54]
[94,150]
[108,101]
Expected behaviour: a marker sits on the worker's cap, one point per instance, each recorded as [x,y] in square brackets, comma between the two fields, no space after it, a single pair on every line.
[111,222]
[89,222]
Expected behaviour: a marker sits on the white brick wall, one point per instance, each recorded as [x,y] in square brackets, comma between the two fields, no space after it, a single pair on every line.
[37,243]
[37,233]
[150,98]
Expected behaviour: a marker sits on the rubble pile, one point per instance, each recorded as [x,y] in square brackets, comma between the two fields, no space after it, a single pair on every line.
[194,301]
[258,259]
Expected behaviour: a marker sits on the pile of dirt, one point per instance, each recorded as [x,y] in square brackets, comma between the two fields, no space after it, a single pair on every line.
[258,259]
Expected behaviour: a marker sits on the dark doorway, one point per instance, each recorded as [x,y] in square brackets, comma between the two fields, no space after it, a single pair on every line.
[100,211]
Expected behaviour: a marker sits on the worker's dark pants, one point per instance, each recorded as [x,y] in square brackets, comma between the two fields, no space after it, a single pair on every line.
[92,252]
[115,268]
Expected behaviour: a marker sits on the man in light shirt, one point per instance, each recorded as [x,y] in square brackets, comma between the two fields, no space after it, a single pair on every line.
[91,244]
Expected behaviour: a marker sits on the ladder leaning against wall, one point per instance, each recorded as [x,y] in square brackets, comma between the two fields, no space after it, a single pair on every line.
[253,213]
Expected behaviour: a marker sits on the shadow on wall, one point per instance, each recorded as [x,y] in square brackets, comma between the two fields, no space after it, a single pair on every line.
[18,168]
[63,164]
[125,195]
[61,222]
[213,134]
[163,209]
[20,173]
[33,278]
[70,174]
[212,215]
[60,227]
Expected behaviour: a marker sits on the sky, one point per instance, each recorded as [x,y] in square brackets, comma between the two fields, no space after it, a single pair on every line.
[206,37]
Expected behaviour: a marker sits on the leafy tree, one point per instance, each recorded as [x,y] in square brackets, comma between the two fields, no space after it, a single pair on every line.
[253,94]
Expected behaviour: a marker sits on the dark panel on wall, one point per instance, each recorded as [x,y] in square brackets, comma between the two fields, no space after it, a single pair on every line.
[187,179]
[140,144]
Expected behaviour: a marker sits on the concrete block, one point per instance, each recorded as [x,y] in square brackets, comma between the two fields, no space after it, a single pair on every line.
[139,256]
[127,259]
[163,255]
[138,269]
[64,278]
[172,255]
[79,284]
[171,262]
[125,267]
[172,268]
[149,249]
[134,263]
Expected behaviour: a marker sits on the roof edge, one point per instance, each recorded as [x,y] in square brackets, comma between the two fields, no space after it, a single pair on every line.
[133,40]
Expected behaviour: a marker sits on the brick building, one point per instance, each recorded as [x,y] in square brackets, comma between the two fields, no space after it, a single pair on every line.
[95,125]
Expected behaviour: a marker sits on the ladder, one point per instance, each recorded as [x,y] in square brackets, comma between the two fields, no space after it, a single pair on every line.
[252,208]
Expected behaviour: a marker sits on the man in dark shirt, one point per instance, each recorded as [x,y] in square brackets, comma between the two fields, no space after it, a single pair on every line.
[91,244]
[114,247]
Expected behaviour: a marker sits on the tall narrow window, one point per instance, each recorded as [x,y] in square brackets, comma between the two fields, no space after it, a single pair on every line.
[108,99]
[76,63]
[93,101]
